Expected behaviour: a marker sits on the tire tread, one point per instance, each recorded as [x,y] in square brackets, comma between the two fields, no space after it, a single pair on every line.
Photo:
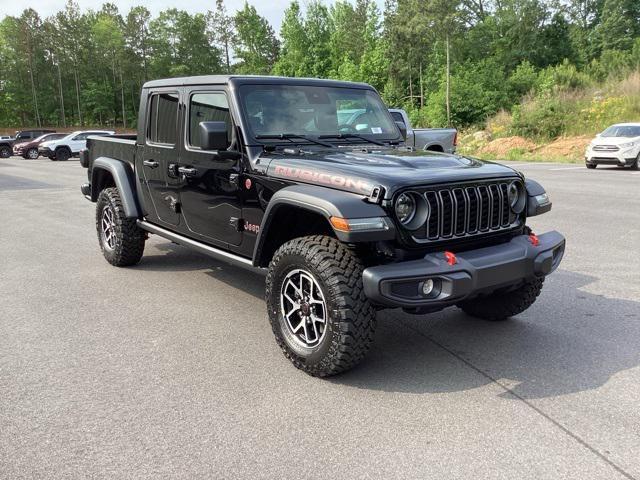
[341,271]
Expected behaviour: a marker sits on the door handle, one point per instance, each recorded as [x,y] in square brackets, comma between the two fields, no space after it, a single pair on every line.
[187,171]
[150,163]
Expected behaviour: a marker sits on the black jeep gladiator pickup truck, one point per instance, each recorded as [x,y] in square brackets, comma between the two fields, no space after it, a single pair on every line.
[343,219]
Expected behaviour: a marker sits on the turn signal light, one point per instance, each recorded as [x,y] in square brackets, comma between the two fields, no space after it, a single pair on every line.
[373,224]
[341,224]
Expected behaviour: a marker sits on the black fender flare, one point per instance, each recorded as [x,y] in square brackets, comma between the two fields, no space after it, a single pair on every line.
[123,177]
[328,203]
[534,189]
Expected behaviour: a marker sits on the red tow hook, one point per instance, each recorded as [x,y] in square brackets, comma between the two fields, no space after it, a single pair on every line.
[451,258]
[535,241]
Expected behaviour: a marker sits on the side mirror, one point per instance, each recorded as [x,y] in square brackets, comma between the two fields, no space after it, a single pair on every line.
[213,136]
[403,129]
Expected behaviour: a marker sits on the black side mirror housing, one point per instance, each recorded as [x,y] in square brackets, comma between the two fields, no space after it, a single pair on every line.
[403,129]
[213,136]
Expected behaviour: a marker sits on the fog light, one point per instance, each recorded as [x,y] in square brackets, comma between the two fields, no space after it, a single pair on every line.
[427,287]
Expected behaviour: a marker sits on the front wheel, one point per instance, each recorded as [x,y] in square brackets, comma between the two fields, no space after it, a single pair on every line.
[319,314]
[120,238]
[32,153]
[591,166]
[502,305]
[636,165]
[63,154]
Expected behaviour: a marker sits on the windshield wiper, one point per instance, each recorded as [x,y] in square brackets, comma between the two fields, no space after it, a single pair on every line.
[291,136]
[353,135]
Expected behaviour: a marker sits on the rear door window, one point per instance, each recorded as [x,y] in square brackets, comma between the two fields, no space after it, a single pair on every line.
[397,117]
[163,118]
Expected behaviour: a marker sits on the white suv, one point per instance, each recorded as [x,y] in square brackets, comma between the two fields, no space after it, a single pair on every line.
[66,147]
[617,145]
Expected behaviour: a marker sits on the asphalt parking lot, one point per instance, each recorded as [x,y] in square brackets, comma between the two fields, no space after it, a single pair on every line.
[169,368]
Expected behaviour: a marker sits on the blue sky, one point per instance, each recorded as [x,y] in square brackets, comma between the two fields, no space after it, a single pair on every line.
[273,10]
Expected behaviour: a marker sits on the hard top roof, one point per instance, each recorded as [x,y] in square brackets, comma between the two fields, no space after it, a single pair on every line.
[248,79]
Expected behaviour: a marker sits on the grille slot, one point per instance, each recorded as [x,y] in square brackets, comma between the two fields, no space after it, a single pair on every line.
[464,210]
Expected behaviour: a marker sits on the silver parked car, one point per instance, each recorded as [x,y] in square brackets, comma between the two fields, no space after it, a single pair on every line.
[433,139]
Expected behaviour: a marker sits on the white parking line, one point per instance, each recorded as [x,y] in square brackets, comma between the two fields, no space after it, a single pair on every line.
[567,168]
[635,173]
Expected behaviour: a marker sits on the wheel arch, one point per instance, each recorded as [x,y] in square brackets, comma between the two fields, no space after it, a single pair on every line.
[107,172]
[434,147]
[306,210]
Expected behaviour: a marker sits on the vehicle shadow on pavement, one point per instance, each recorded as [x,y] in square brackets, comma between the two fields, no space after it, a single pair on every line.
[180,259]
[569,341]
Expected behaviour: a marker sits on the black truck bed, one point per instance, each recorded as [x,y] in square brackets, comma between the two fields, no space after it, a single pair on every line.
[120,147]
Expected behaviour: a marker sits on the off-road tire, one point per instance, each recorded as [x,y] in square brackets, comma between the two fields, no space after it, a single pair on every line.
[63,154]
[129,238]
[351,321]
[503,305]
[5,152]
[591,166]
[32,154]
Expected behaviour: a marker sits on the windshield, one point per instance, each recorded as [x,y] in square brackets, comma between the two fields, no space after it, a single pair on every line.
[315,111]
[622,131]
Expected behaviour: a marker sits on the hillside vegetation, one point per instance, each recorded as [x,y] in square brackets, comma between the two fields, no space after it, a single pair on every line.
[557,123]
[530,67]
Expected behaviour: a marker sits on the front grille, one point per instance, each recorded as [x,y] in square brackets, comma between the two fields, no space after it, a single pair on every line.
[605,148]
[460,211]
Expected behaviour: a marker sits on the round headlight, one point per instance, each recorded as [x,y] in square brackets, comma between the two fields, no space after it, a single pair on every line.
[405,208]
[516,197]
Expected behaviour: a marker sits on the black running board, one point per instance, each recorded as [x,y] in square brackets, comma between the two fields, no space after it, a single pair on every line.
[208,250]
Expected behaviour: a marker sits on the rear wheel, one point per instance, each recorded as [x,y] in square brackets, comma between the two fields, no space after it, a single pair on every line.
[502,305]
[120,238]
[32,153]
[319,314]
[5,152]
[63,154]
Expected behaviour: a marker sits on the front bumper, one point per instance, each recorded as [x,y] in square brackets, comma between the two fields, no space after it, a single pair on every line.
[476,272]
[622,159]
[45,151]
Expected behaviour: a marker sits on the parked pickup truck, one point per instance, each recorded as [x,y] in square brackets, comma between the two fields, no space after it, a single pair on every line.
[432,139]
[262,173]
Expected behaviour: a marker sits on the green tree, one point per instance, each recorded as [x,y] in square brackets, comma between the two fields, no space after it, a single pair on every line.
[255,43]
[221,31]
[292,59]
[620,24]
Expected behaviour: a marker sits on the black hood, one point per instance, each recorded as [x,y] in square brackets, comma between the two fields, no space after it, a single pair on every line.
[359,171]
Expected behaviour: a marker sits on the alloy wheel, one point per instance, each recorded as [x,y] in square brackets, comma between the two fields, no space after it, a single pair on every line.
[108,228]
[304,308]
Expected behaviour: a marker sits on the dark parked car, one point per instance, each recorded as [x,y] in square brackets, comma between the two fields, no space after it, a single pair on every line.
[6,146]
[29,149]
[260,172]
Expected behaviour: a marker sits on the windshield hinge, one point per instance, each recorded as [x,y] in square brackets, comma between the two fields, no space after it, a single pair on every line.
[376,195]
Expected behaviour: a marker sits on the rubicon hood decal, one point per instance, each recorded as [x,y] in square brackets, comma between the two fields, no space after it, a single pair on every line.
[309,175]
[360,171]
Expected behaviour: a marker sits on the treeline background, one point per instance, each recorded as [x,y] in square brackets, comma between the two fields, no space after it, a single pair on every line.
[453,62]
